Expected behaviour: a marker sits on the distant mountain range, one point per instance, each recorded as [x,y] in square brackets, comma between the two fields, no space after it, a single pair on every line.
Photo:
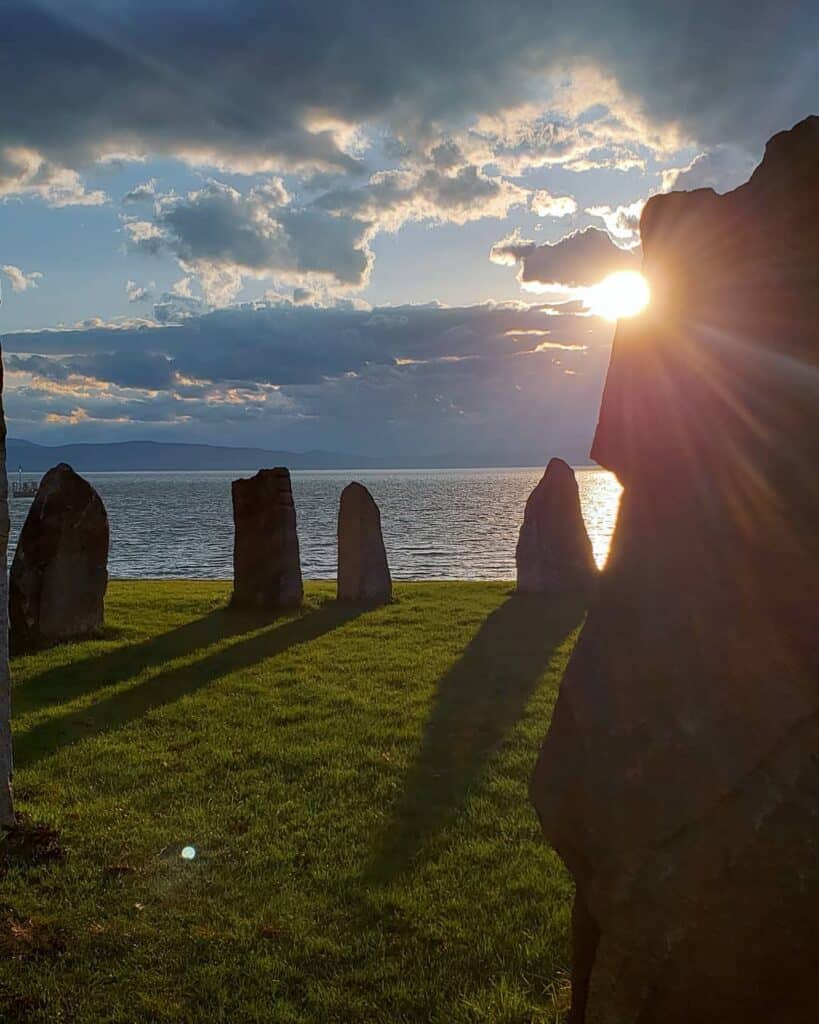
[127,456]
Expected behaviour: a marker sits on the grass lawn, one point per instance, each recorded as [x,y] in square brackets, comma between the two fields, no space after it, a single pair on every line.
[354,784]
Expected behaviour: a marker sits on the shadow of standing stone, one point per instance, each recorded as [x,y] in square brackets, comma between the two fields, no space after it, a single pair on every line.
[554,554]
[266,566]
[363,572]
[60,570]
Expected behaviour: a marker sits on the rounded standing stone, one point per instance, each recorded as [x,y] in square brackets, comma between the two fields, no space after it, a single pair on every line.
[363,572]
[60,570]
[266,565]
[554,554]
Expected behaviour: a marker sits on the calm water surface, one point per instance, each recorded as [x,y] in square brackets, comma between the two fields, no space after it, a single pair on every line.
[438,524]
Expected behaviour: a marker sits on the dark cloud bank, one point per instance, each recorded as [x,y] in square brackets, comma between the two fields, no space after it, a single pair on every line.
[580,259]
[241,79]
[492,381]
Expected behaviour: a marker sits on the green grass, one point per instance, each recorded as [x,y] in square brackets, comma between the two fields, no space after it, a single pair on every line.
[354,784]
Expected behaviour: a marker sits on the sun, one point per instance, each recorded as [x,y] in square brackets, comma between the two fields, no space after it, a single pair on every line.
[619,295]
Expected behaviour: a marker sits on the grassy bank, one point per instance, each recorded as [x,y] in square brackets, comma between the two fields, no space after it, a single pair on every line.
[354,785]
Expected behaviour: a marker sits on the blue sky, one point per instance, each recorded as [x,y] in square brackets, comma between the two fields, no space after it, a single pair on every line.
[364,227]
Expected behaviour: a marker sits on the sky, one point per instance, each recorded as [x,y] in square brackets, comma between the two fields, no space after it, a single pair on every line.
[364,227]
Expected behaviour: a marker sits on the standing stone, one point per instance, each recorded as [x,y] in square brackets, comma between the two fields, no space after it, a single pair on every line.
[679,780]
[266,566]
[554,554]
[363,573]
[59,573]
[6,799]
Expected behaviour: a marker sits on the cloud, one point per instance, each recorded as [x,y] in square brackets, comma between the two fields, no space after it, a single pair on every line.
[307,91]
[146,192]
[544,204]
[577,260]
[332,125]
[24,172]
[129,369]
[390,379]
[179,303]
[137,293]
[38,366]
[457,195]
[722,168]
[581,121]
[222,236]
[144,236]
[303,295]
[622,222]
[447,155]
[18,279]
[284,343]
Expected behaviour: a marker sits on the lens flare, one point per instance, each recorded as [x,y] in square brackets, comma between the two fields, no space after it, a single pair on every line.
[619,295]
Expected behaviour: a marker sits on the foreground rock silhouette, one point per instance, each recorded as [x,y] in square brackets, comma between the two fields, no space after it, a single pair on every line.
[363,573]
[60,570]
[266,566]
[7,819]
[554,554]
[680,777]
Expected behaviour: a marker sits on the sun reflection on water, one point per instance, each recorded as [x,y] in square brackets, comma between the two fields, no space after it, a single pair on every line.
[599,501]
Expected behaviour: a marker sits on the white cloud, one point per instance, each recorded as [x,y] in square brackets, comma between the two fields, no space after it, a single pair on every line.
[416,192]
[224,236]
[182,288]
[144,235]
[582,121]
[220,281]
[139,293]
[25,172]
[146,192]
[544,204]
[622,222]
[18,279]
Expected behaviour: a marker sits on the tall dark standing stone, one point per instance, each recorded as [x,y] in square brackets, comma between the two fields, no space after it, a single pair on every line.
[554,554]
[266,566]
[60,569]
[6,761]
[680,776]
[363,573]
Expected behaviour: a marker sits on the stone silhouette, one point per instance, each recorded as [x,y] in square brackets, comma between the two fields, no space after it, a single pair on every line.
[266,566]
[60,570]
[6,761]
[679,780]
[554,554]
[363,573]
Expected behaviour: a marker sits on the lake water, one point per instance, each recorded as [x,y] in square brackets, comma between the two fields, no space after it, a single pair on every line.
[438,524]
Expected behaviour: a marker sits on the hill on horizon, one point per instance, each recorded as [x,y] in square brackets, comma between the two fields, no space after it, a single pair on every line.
[124,456]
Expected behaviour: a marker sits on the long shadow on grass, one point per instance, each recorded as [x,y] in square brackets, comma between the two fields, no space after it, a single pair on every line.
[165,687]
[64,683]
[479,700]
